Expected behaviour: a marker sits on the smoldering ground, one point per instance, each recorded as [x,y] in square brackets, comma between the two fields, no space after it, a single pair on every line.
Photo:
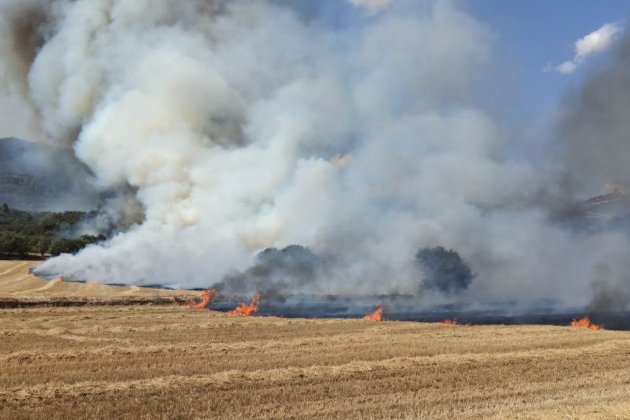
[354,129]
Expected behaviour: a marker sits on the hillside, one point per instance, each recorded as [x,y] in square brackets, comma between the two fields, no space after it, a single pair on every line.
[35,177]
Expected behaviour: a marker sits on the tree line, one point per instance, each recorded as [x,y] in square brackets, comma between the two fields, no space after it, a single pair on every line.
[25,233]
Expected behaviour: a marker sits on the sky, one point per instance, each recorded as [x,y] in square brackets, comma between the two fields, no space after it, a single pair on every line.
[531,34]
[531,38]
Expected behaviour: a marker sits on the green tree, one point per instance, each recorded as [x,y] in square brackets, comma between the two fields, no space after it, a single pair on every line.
[13,244]
[22,232]
[43,245]
[5,244]
[444,270]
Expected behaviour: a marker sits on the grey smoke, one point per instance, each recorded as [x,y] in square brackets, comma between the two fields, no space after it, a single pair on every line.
[594,146]
[241,126]
[23,24]
[595,126]
[611,287]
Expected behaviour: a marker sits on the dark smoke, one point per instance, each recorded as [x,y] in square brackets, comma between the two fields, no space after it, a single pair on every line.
[594,129]
[595,146]
[26,34]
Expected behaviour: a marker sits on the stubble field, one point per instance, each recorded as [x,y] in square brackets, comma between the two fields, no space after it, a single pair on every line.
[166,361]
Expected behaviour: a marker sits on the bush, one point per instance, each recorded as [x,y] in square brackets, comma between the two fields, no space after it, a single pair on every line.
[71,245]
[11,243]
[444,270]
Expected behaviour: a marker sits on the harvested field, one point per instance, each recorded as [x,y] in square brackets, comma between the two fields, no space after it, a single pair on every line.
[18,288]
[171,362]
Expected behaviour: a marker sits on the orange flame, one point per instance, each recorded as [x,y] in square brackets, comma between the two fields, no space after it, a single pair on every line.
[376,316]
[450,322]
[206,298]
[586,323]
[246,310]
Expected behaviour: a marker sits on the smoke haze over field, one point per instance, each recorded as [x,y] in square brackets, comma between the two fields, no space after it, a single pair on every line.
[246,125]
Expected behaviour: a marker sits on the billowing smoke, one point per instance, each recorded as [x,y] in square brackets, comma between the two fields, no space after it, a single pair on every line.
[246,125]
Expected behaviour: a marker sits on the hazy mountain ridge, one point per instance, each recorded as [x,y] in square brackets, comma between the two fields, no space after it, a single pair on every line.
[36,177]
[610,210]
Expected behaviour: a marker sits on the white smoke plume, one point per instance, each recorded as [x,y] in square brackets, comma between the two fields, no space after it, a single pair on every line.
[243,126]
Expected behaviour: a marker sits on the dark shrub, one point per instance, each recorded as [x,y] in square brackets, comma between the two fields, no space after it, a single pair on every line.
[444,270]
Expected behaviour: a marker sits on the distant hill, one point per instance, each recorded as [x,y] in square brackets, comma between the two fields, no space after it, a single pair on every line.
[36,177]
[40,178]
[609,211]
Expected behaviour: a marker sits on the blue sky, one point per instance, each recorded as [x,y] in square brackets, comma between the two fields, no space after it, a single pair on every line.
[529,34]
[532,33]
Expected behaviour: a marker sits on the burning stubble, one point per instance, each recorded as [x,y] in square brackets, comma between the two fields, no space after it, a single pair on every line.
[376,316]
[245,309]
[206,299]
[585,322]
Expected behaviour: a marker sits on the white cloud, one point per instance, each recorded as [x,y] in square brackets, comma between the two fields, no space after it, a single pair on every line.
[598,41]
[594,43]
[372,6]
[566,67]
